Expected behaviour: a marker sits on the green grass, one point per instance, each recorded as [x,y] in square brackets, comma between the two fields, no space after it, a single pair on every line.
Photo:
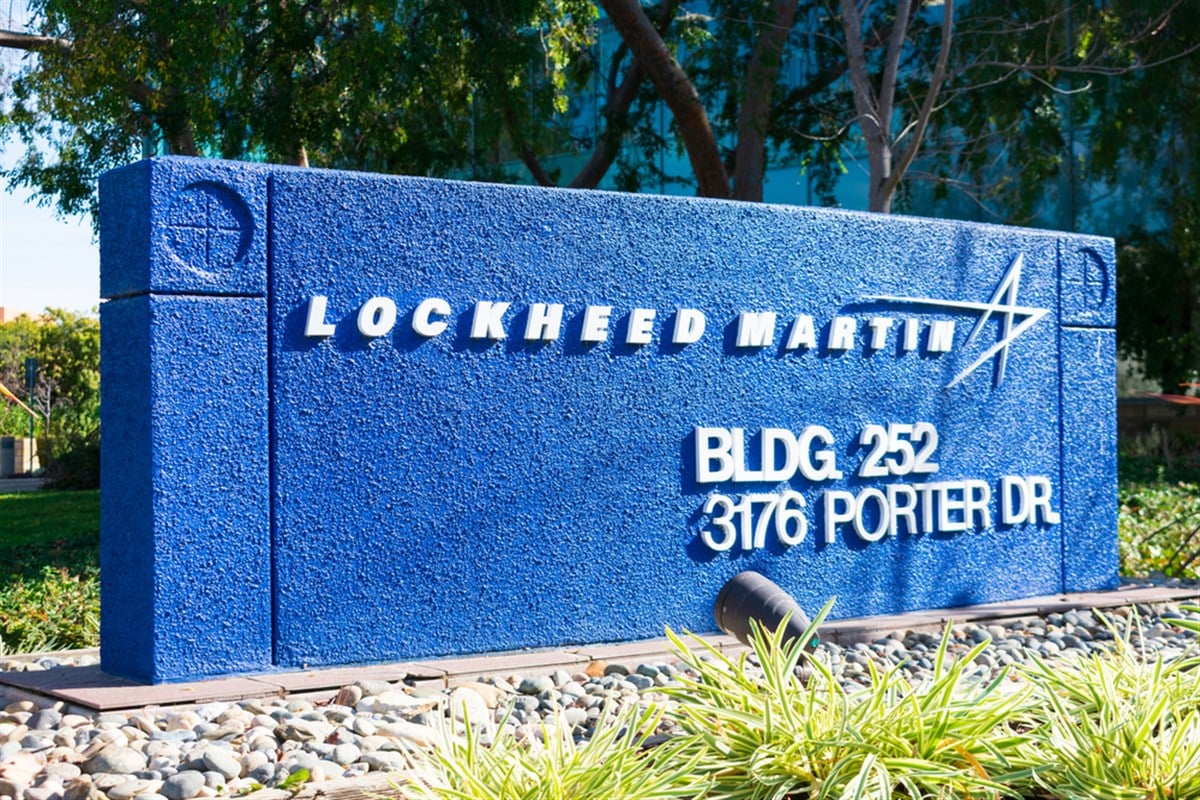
[49,571]
[1158,519]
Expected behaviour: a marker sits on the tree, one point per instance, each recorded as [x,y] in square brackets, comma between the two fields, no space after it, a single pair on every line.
[1158,297]
[437,88]
[977,78]
[875,104]
[391,87]
[108,78]
[466,89]
[67,390]
[18,341]
[1141,149]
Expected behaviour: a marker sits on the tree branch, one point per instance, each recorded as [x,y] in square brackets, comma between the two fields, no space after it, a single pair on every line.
[32,43]
[825,78]
[755,114]
[864,104]
[676,90]
[616,109]
[529,156]
[891,67]
[616,113]
[530,159]
[927,107]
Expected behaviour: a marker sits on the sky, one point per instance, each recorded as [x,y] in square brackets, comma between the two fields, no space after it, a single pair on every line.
[45,261]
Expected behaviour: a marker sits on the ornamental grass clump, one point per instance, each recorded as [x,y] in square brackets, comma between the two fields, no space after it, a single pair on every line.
[616,763]
[765,733]
[775,724]
[53,610]
[1116,726]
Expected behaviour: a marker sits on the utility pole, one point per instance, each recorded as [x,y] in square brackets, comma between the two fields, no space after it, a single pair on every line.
[31,366]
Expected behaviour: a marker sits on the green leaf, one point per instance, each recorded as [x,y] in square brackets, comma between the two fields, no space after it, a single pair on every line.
[295,780]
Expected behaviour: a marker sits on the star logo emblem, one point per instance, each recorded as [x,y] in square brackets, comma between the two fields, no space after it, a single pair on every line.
[1014,319]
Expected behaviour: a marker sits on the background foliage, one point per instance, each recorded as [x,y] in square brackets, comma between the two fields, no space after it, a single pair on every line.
[66,393]
[1049,112]
[49,570]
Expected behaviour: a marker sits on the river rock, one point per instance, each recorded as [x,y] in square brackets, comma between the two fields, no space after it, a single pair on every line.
[115,759]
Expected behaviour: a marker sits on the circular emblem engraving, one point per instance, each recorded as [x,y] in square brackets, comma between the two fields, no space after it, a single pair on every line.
[208,228]
[1091,278]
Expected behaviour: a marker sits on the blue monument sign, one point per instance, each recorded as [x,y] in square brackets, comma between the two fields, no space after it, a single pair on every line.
[353,418]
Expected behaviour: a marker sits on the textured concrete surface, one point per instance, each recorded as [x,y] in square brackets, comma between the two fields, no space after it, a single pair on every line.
[496,491]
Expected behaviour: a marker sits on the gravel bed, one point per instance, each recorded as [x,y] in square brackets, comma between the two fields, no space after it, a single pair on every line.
[232,748]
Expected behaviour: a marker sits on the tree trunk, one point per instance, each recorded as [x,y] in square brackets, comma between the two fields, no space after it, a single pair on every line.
[619,99]
[525,151]
[33,43]
[921,123]
[175,121]
[676,90]
[875,108]
[754,117]
[530,159]
[298,155]
[867,103]
[616,115]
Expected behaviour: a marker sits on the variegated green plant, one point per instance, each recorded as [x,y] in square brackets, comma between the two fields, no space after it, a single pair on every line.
[764,733]
[1122,725]
[614,764]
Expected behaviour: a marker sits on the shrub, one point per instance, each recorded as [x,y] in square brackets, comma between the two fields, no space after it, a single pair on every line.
[763,734]
[612,765]
[78,465]
[57,610]
[1159,528]
[1117,725]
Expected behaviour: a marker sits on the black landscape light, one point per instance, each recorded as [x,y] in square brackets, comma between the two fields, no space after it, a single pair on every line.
[751,596]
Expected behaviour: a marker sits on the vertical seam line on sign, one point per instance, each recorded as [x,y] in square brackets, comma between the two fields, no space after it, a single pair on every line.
[271,434]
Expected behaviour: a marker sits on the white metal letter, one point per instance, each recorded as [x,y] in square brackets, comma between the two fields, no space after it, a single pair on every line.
[544,323]
[827,458]
[641,325]
[977,495]
[595,324]
[841,333]
[741,472]
[689,326]
[772,439]
[486,323]
[879,331]
[948,505]
[905,510]
[833,517]
[755,328]
[1039,492]
[1010,514]
[941,335]
[316,325]
[422,325]
[803,333]
[713,444]
[376,317]
[860,507]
